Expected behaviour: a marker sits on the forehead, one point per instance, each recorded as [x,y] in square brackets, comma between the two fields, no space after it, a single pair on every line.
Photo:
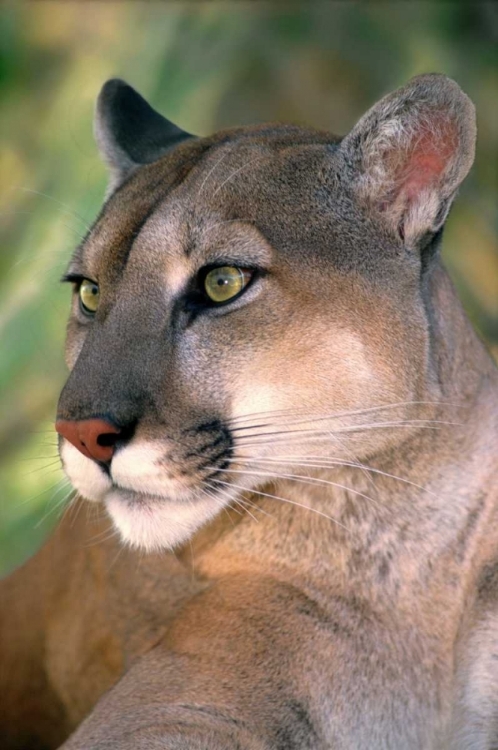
[224,173]
[253,190]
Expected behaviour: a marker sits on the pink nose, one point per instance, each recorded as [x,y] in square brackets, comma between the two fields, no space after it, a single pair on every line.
[95,438]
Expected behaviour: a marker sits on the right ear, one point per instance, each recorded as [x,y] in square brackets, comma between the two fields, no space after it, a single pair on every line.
[408,155]
[129,133]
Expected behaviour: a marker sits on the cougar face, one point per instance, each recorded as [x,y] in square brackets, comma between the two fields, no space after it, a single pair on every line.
[245,300]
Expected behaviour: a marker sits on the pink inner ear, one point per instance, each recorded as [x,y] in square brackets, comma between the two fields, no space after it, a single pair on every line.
[429,158]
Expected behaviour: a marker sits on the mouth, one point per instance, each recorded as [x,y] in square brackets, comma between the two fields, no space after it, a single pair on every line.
[145,501]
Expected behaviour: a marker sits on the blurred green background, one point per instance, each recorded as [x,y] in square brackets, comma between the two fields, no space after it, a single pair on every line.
[205,65]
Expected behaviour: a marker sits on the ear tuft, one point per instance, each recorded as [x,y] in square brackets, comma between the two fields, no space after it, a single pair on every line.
[129,132]
[411,151]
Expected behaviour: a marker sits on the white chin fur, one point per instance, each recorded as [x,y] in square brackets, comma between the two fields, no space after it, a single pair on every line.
[155,523]
[84,474]
[150,510]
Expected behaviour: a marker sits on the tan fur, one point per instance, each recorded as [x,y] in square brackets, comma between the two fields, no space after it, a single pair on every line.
[340,590]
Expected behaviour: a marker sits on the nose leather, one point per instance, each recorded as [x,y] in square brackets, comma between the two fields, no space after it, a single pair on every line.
[94,438]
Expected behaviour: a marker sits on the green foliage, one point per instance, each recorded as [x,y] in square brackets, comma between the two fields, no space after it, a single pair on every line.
[205,65]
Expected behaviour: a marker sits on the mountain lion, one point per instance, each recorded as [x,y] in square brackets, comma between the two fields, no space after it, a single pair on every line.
[277,398]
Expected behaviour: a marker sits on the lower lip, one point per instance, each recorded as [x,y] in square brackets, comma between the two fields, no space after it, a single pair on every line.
[131,497]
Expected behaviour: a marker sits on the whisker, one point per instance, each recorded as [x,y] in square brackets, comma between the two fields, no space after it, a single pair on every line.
[305,480]
[224,507]
[57,505]
[354,428]
[115,558]
[239,501]
[83,504]
[336,415]
[32,256]
[267,414]
[218,162]
[331,463]
[55,200]
[71,503]
[215,496]
[38,458]
[245,501]
[236,172]
[312,436]
[349,451]
[100,539]
[284,500]
[55,463]
[43,492]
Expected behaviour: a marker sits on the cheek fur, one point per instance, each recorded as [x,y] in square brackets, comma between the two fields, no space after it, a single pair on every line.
[325,373]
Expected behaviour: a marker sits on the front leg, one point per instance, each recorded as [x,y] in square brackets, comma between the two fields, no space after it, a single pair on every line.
[227,676]
[163,729]
[253,663]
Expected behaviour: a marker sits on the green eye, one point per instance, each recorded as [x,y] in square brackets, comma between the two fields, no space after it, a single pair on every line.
[89,295]
[223,283]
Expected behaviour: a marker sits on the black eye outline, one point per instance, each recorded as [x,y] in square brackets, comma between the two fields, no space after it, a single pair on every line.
[77,281]
[196,301]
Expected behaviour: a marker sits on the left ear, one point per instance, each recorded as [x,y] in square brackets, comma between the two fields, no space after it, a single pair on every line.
[129,132]
[407,155]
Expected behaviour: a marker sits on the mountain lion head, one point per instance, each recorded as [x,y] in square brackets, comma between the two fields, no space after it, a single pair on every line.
[253,302]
